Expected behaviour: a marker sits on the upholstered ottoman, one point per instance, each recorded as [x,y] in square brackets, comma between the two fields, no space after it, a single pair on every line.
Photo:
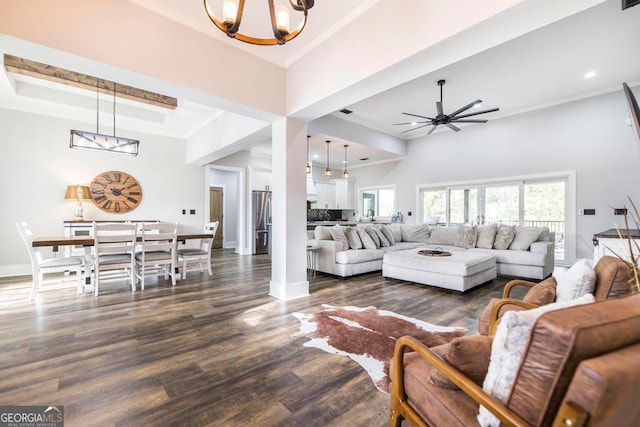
[459,272]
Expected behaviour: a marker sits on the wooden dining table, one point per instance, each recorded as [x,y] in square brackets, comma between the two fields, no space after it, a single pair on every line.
[88,242]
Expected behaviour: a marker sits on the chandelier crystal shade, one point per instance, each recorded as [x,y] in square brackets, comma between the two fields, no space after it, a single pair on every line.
[99,142]
[232,11]
[327,171]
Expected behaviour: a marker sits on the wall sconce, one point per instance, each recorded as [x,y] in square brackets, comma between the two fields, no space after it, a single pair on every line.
[78,193]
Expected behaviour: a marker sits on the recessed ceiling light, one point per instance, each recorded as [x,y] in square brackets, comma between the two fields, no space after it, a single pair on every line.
[590,74]
[315,156]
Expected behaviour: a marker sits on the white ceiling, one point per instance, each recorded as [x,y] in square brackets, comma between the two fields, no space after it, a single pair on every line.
[539,69]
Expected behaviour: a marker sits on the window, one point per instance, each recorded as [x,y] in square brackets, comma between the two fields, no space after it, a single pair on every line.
[377,201]
[542,201]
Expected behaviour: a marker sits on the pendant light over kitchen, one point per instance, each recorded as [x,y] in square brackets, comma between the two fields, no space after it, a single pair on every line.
[345,174]
[327,171]
[308,164]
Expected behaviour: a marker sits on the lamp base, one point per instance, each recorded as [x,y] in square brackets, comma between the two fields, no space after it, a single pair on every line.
[78,212]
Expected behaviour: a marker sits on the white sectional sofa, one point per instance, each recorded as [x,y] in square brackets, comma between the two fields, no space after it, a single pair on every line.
[519,251]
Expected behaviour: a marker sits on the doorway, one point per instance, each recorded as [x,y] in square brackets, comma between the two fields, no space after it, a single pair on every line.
[216,195]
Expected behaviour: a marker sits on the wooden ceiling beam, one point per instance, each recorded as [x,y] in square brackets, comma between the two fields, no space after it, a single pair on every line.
[51,73]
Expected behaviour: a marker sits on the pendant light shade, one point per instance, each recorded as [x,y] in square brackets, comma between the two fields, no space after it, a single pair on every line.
[345,174]
[327,171]
[308,164]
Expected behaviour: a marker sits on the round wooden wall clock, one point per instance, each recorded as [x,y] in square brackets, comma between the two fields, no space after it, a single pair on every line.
[116,192]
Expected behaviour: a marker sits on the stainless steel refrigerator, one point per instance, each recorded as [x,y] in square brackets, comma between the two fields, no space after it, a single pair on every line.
[261,205]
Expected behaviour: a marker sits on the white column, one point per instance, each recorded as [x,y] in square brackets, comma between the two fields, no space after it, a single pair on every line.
[289,210]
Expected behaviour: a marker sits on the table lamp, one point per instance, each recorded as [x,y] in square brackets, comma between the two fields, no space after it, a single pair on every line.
[78,193]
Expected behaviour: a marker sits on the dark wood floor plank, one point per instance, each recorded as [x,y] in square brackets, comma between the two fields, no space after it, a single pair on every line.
[211,351]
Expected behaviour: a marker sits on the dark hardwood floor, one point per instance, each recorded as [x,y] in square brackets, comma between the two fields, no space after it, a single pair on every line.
[211,351]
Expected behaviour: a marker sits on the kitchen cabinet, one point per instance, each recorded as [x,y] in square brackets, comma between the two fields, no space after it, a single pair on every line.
[260,180]
[343,201]
[326,195]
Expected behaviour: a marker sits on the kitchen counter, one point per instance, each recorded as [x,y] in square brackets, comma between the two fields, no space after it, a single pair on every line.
[312,224]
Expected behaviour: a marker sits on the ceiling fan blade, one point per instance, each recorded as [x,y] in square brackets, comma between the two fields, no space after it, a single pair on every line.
[416,115]
[408,123]
[432,129]
[439,108]
[476,113]
[465,108]
[452,127]
[410,130]
[470,121]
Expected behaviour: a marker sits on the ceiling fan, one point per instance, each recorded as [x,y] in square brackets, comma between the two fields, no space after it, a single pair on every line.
[446,119]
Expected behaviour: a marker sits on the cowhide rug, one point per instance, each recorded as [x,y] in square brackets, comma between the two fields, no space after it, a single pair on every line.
[368,336]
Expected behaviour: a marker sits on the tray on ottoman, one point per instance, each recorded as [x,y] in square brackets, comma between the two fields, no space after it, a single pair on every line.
[459,272]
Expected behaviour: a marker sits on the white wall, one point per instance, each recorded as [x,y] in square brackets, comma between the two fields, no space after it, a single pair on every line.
[589,136]
[37,164]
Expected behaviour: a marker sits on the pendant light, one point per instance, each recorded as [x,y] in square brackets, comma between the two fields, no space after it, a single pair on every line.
[327,171]
[308,164]
[345,174]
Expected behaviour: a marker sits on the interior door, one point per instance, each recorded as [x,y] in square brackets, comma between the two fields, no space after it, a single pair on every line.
[215,213]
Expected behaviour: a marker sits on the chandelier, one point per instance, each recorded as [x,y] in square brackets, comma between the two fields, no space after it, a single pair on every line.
[232,17]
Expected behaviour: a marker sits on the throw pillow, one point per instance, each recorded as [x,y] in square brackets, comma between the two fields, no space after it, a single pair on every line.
[396,229]
[544,235]
[470,354]
[367,242]
[444,236]
[386,230]
[507,349]
[504,236]
[543,293]
[353,238]
[524,237]
[337,232]
[373,235]
[323,233]
[467,235]
[384,242]
[486,236]
[415,233]
[578,280]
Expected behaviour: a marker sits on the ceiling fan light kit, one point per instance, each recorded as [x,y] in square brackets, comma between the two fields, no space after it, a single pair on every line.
[232,11]
[446,119]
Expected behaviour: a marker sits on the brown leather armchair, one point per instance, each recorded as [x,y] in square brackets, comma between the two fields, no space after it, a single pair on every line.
[580,367]
[612,281]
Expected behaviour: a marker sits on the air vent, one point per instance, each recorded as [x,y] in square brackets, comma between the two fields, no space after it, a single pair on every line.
[629,3]
[364,159]
[346,111]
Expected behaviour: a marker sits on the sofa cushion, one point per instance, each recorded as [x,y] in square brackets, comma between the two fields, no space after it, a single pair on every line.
[486,236]
[373,235]
[386,230]
[337,233]
[524,237]
[384,242]
[509,344]
[470,354]
[323,233]
[444,236]
[367,242]
[353,238]
[544,234]
[356,257]
[507,256]
[467,235]
[396,230]
[504,236]
[415,233]
[543,293]
[578,280]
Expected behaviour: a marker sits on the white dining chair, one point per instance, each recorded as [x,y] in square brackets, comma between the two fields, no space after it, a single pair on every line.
[187,257]
[157,251]
[114,252]
[40,266]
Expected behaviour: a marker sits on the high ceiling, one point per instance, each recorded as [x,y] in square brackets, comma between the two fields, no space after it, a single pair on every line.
[539,69]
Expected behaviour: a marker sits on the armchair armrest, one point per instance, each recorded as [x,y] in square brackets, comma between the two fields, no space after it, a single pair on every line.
[508,417]
[506,293]
[494,318]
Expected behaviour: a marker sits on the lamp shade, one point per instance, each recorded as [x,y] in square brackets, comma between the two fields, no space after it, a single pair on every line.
[77,192]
